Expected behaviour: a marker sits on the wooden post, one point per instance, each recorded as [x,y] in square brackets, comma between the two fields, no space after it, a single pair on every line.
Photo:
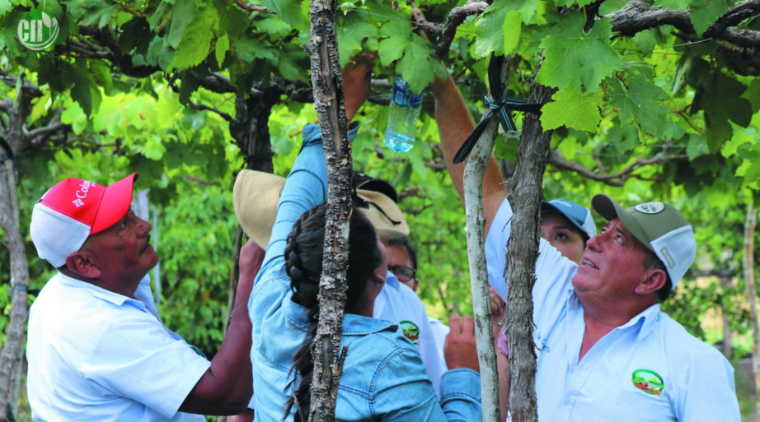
[327,84]
[474,170]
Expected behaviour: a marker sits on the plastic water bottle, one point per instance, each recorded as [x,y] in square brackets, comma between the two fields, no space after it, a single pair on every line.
[405,109]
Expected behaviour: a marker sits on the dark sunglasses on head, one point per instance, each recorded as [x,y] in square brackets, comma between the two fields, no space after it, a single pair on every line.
[403,273]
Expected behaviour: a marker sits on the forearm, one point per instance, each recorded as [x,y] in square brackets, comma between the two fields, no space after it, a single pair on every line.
[227,386]
[454,126]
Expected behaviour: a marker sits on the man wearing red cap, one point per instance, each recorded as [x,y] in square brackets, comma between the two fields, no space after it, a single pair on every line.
[97,349]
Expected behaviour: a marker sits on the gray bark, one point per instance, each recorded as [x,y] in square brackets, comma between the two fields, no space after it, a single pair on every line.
[525,194]
[327,84]
[12,352]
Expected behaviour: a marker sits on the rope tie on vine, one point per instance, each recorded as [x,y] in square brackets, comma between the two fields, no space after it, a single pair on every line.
[498,107]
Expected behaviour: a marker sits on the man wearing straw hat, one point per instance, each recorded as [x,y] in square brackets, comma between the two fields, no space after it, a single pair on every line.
[604,350]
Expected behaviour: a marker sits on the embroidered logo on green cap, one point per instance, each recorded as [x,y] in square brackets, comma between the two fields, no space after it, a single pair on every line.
[410,330]
[650,207]
[648,381]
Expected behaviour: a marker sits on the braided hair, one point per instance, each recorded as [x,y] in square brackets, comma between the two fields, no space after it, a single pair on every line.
[303,263]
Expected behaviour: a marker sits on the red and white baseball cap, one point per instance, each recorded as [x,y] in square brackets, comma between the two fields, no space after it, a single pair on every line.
[73,210]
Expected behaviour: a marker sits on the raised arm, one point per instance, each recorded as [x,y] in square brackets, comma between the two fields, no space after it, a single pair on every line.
[454,125]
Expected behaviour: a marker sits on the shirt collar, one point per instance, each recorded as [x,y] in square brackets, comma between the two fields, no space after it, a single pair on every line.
[99,292]
[649,316]
[392,280]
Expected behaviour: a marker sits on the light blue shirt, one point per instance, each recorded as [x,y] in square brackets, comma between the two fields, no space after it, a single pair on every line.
[383,376]
[649,369]
[95,355]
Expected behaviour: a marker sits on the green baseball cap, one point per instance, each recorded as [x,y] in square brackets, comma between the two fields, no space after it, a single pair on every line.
[660,227]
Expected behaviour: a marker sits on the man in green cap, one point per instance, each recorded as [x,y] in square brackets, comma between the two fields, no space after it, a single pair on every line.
[604,350]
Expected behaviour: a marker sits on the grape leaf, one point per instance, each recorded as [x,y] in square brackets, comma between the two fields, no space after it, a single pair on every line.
[646,40]
[573,109]
[490,25]
[99,13]
[274,27]
[251,48]
[222,45]
[639,103]
[673,4]
[80,91]
[512,28]
[183,14]
[290,10]
[719,97]
[5,7]
[196,43]
[418,64]
[351,35]
[753,95]
[417,61]
[580,60]
[704,13]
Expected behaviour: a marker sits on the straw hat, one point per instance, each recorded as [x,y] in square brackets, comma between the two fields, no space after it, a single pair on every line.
[256,194]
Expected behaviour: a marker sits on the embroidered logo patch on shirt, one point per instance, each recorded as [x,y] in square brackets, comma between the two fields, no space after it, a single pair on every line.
[410,330]
[648,381]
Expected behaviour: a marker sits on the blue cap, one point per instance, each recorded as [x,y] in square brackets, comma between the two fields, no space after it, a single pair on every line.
[579,215]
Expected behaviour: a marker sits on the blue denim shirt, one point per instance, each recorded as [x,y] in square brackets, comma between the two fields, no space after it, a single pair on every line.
[383,375]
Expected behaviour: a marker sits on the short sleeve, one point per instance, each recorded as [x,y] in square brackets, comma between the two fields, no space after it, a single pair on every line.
[137,358]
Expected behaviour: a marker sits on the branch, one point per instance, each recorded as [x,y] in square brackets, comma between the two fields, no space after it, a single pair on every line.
[419,21]
[455,18]
[638,16]
[614,179]
[37,136]
[252,7]
[224,115]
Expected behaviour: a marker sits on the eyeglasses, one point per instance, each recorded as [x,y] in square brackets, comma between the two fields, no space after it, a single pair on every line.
[403,273]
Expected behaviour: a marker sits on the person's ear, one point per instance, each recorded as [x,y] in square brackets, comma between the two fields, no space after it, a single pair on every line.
[378,276]
[653,282]
[83,263]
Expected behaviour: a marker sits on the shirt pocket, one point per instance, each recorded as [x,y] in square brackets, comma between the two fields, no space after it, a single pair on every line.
[629,403]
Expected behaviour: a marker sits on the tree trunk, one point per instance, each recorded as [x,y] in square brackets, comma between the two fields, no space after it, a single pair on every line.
[474,170]
[525,194]
[327,84]
[250,129]
[12,352]
[749,279]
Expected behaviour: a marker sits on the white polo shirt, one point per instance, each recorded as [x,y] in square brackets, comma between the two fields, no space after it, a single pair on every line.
[649,369]
[95,355]
[398,303]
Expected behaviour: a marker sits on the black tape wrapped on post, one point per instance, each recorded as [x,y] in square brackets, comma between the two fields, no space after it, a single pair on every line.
[499,107]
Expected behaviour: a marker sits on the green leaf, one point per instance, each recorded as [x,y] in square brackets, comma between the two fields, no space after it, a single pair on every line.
[288,62]
[183,14]
[273,26]
[646,40]
[157,17]
[753,94]
[580,60]
[391,49]
[251,48]
[5,7]
[696,147]
[491,24]
[639,103]
[80,91]
[573,109]
[222,45]
[704,13]
[196,43]
[290,10]
[99,13]
[673,4]
[719,97]
[419,64]
[512,28]
[351,35]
